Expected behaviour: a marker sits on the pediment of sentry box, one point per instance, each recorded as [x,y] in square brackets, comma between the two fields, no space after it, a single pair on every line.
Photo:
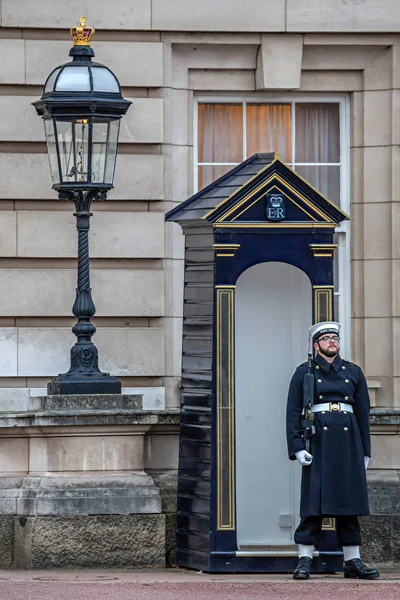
[275,201]
[277,195]
[261,190]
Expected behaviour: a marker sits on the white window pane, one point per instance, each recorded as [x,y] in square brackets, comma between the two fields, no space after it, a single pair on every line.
[52,149]
[269,129]
[73,148]
[325,179]
[50,81]
[74,79]
[104,137]
[220,133]
[317,132]
[104,80]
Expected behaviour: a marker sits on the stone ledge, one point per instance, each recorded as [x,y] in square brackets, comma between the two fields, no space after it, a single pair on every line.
[385,416]
[16,400]
[65,418]
[84,495]
[81,402]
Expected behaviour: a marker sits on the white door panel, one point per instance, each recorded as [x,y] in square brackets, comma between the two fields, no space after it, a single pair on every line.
[273,314]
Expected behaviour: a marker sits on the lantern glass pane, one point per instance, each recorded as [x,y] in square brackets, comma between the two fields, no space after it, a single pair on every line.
[50,81]
[104,81]
[73,147]
[104,150]
[73,79]
[52,149]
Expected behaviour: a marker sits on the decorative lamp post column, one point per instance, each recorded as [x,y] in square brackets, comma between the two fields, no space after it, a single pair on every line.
[81,107]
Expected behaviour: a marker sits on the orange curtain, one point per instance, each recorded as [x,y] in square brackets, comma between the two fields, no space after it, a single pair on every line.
[220,139]
[269,129]
[220,136]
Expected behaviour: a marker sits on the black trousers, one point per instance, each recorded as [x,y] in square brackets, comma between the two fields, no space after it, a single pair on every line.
[347,531]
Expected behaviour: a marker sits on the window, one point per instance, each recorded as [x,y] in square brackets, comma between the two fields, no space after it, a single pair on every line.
[311,135]
[306,135]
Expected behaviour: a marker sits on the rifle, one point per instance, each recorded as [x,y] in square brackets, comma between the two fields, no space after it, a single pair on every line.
[307,422]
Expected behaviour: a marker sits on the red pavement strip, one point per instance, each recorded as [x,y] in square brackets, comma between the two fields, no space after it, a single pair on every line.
[188,585]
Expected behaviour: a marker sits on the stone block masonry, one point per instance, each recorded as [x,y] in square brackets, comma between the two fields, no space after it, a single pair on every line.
[106,541]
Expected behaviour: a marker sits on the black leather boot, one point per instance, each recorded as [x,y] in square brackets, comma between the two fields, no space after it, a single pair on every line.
[302,571]
[355,569]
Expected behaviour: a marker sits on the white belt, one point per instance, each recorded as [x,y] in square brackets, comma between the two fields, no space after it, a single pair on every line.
[332,406]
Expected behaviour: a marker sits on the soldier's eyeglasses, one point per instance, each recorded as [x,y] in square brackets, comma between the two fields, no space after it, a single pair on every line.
[327,339]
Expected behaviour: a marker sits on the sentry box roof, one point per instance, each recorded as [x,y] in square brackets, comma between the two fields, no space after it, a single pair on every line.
[243,194]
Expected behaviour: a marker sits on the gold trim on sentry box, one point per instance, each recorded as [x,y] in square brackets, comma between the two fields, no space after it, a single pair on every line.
[328,523]
[277,158]
[225,306]
[225,249]
[323,249]
[266,192]
[281,225]
[323,295]
[263,185]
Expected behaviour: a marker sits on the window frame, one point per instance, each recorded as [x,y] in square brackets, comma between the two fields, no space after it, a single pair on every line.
[343,230]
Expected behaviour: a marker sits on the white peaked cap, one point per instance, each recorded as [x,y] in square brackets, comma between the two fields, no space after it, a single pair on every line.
[321,328]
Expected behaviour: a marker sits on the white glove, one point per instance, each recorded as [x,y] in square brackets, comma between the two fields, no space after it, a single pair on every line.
[366,461]
[304,458]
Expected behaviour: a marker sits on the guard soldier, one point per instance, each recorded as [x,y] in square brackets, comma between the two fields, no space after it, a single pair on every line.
[333,476]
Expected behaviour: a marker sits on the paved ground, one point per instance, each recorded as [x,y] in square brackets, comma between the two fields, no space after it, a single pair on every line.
[188,585]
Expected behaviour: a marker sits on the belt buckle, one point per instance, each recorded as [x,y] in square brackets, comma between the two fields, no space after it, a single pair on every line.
[334,406]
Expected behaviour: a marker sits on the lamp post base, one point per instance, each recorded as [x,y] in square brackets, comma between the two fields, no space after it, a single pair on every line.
[81,384]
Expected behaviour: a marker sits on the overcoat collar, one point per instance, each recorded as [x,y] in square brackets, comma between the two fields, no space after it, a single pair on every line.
[325,366]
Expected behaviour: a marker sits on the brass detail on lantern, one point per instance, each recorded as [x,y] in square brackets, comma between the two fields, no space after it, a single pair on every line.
[81,34]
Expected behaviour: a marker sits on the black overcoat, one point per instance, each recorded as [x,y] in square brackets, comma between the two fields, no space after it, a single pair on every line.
[335,483]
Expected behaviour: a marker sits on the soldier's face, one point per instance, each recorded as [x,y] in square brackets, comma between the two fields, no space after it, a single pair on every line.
[328,348]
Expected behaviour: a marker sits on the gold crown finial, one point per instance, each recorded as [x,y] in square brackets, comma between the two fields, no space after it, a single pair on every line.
[82,34]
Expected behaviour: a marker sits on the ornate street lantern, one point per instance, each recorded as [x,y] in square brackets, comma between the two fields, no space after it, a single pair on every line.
[81,107]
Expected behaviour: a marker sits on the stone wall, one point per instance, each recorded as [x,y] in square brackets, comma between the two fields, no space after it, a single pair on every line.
[381,529]
[187,15]
[38,240]
[106,541]
[88,481]
[136,258]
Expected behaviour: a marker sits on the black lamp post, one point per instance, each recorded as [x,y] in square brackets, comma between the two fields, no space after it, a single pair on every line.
[81,107]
